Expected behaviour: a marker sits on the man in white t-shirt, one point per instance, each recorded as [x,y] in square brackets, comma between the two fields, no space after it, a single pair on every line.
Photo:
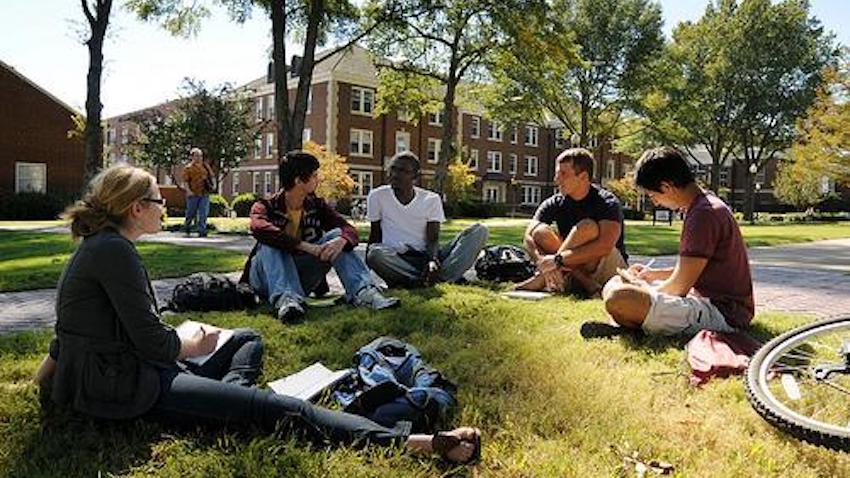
[404,246]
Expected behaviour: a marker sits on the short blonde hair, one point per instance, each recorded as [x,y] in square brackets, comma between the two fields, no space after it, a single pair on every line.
[108,198]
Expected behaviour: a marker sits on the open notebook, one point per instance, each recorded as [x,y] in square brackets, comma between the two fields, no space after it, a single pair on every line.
[526,294]
[190,327]
[308,383]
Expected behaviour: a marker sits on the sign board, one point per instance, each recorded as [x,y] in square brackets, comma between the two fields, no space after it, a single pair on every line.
[662,215]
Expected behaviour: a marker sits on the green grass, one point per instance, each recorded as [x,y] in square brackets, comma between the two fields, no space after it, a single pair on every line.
[549,402]
[34,260]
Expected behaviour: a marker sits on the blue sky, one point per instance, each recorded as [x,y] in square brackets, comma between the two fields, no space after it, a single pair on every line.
[145,65]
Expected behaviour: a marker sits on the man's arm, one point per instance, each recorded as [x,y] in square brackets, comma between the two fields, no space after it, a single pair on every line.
[528,240]
[375,233]
[609,233]
[265,232]
[684,276]
[432,248]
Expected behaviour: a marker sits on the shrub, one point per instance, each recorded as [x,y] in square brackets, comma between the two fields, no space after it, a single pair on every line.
[33,206]
[476,208]
[218,206]
[633,214]
[242,204]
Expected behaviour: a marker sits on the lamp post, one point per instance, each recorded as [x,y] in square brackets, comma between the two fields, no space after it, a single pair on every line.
[753,170]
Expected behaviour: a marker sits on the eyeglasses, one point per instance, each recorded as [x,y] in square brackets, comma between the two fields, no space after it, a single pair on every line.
[160,201]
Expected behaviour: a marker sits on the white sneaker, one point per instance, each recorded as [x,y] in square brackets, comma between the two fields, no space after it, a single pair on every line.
[289,309]
[372,298]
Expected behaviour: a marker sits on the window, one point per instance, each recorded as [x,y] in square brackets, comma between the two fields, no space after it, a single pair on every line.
[259,108]
[558,138]
[492,194]
[403,115]
[473,160]
[760,176]
[309,101]
[494,162]
[30,177]
[610,169]
[594,142]
[512,160]
[361,142]
[493,132]
[531,195]
[475,127]
[269,144]
[267,182]
[531,165]
[724,177]
[306,135]
[234,184]
[513,136]
[434,146]
[362,183]
[270,107]
[362,100]
[255,186]
[110,136]
[402,141]
[435,119]
[531,135]
[258,147]
[125,135]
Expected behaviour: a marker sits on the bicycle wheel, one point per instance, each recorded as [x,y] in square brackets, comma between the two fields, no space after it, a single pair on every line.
[787,385]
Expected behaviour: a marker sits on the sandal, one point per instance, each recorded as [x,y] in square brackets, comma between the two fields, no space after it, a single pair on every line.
[443,442]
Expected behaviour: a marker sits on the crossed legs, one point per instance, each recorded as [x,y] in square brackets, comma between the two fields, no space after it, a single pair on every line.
[548,242]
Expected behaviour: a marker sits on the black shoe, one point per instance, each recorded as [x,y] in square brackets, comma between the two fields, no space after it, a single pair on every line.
[289,310]
[321,289]
[602,330]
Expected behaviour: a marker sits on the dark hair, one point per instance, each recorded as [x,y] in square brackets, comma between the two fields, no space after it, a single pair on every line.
[581,158]
[299,164]
[662,164]
[408,156]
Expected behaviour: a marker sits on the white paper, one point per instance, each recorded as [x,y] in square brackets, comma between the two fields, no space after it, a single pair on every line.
[526,294]
[790,386]
[189,328]
[309,382]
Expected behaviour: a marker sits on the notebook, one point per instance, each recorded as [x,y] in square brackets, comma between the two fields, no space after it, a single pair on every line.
[526,294]
[308,383]
[189,328]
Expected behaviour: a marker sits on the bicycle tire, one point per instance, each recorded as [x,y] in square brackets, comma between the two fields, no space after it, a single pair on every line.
[776,413]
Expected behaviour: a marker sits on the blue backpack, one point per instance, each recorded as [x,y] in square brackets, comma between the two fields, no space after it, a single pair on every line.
[391,383]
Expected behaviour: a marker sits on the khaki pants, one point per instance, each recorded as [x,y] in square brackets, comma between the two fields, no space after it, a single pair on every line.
[605,270]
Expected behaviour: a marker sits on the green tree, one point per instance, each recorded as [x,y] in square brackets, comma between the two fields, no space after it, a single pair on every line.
[737,80]
[625,190]
[432,47]
[315,22]
[460,181]
[97,14]
[218,120]
[581,61]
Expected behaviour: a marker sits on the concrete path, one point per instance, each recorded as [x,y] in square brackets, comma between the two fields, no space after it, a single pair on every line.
[809,278]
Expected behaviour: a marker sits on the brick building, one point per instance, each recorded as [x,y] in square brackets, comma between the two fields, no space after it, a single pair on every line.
[35,151]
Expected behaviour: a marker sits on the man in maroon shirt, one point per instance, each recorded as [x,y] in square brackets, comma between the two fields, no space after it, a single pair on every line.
[299,238]
[710,287]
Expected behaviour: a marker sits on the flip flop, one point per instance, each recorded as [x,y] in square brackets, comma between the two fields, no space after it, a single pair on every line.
[442,443]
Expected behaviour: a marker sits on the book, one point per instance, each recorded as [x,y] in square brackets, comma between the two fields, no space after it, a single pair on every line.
[308,383]
[526,294]
[189,328]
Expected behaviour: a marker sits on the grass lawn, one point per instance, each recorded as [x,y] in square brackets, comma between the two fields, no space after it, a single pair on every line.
[34,260]
[549,402]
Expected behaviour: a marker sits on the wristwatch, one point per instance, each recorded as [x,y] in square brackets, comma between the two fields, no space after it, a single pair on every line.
[559,259]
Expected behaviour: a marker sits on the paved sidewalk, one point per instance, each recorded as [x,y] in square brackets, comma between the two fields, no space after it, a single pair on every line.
[808,278]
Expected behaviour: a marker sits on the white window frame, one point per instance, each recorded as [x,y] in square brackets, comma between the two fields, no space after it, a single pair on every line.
[255,182]
[436,119]
[438,146]
[529,161]
[402,138]
[110,136]
[532,135]
[306,135]
[258,148]
[360,135]
[269,144]
[512,163]
[125,135]
[514,135]
[234,183]
[258,109]
[494,161]
[361,179]
[485,192]
[473,160]
[475,127]
[267,182]
[20,165]
[269,107]
[309,101]
[494,133]
[403,115]
[365,100]
[610,169]
[530,195]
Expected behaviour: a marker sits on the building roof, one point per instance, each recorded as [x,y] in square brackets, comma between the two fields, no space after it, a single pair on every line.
[15,72]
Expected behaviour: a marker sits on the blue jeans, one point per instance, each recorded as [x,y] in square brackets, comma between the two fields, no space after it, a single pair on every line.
[276,273]
[197,207]
[220,393]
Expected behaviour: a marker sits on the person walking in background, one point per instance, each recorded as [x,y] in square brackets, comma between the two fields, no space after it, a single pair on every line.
[198,178]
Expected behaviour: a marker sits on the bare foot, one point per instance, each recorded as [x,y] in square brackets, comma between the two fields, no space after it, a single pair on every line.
[460,445]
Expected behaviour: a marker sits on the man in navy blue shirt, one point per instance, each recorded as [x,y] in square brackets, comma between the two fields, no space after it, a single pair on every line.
[588,246]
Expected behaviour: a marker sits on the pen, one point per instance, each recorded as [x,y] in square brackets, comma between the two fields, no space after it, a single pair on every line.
[651,261]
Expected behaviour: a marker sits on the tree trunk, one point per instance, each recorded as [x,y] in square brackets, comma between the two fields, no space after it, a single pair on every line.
[748,194]
[296,130]
[93,133]
[447,151]
[281,93]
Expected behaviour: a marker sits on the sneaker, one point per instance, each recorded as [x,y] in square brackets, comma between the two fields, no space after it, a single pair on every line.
[289,309]
[371,297]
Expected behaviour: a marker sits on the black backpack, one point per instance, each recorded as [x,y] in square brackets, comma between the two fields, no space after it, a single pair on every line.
[504,264]
[204,292]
